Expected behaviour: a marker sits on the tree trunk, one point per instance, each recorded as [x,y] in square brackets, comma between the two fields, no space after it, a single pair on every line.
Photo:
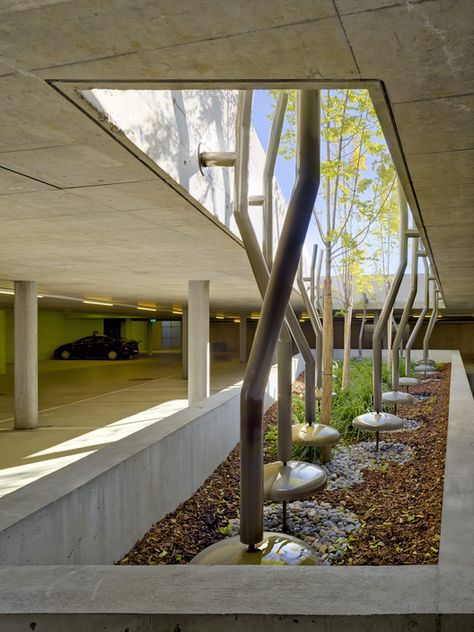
[347,344]
[328,342]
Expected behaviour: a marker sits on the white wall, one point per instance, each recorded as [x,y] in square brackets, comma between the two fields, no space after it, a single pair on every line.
[170,125]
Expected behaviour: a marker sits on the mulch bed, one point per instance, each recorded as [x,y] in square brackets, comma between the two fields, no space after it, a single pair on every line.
[400,505]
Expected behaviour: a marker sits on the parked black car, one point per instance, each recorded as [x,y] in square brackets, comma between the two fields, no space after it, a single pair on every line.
[98,347]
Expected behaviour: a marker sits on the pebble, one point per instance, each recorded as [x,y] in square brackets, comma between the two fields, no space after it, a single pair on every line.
[409,424]
[324,528]
[348,462]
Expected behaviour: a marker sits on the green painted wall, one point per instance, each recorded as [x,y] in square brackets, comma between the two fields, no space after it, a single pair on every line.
[51,333]
[138,332]
[79,327]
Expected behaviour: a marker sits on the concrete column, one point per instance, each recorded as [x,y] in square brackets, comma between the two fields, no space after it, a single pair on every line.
[184,342]
[26,355]
[243,338]
[198,341]
[3,343]
[150,330]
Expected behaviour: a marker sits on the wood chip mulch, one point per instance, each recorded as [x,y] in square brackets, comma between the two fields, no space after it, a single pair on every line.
[400,505]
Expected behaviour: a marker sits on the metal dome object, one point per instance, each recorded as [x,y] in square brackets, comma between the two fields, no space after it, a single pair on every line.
[275,549]
[397,397]
[427,361]
[314,435]
[378,422]
[425,369]
[409,381]
[292,480]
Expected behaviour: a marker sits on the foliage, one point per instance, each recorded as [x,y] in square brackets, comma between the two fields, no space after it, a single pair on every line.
[358,191]
[349,402]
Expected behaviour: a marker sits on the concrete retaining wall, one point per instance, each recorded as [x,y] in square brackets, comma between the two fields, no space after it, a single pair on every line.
[93,511]
[436,598]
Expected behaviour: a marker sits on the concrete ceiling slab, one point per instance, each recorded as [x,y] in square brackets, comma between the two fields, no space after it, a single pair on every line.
[420,51]
[436,126]
[11,182]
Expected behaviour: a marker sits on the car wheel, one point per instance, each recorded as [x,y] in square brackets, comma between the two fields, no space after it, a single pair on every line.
[112,355]
[65,355]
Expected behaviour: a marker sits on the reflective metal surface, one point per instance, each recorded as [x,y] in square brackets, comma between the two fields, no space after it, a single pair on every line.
[408,381]
[398,397]
[378,422]
[314,435]
[292,481]
[275,549]
[427,361]
[425,368]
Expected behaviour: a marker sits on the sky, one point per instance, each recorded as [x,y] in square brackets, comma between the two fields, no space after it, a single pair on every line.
[285,169]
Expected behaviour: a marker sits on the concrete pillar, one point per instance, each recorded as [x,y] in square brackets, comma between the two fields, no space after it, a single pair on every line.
[184,342]
[198,341]
[243,338]
[3,343]
[150,330]
[26,355]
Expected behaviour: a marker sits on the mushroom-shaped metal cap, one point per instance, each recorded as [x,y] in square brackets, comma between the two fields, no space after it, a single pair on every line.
[398,397]
[378,422]
[292,481]
[275,549]
[315,435]
[408,381]
[427,361]
[425,368]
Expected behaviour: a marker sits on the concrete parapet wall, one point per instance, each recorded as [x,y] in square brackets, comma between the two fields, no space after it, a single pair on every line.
[431,598]
[93,511]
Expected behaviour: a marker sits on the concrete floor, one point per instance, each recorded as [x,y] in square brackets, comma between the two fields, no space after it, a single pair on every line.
[85,405]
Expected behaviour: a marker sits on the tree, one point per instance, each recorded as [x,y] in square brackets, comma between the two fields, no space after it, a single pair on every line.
[357,185]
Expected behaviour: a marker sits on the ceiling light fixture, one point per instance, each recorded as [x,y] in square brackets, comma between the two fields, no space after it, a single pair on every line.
[97,303]
[5,291]
[146,309]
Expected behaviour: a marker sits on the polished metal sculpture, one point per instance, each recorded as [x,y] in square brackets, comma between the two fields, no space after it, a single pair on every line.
[396,396]
[314,434]
[379,421]
[275,304]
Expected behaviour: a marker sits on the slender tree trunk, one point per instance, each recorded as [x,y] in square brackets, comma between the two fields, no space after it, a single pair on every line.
[328,344]
[347,343]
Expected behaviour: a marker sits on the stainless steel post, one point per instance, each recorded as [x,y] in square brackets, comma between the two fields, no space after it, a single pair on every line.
[421,317]
[273,310]
[313,317]
[256,258]
[389,302]
[405,316]
[285,379]
[268,173]
[431,324]
[319,310]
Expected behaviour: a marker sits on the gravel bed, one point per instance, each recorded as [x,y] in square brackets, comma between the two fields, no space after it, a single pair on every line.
[326,529]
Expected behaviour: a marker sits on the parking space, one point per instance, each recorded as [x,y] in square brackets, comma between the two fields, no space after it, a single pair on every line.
[88,404]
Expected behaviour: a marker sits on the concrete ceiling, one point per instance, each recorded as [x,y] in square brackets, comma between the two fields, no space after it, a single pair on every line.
[84,216]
